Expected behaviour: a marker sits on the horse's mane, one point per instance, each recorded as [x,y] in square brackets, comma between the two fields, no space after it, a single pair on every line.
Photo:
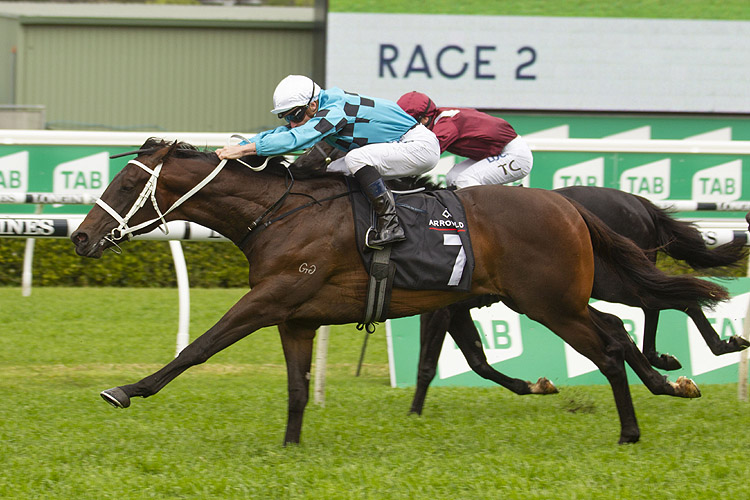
[183,149]
[276,164]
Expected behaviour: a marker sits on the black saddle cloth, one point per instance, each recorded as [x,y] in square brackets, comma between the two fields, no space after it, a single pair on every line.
[437,253]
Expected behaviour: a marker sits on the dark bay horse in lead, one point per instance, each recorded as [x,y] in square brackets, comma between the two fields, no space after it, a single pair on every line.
[533,249]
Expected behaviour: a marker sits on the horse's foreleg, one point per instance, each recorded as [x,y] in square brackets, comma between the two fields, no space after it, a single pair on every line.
[466,336]
[432,328]
[245,317]
[298,346]
[663,361]
[712,339]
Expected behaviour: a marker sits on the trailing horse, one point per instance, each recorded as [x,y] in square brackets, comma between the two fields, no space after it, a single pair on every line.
[313,223]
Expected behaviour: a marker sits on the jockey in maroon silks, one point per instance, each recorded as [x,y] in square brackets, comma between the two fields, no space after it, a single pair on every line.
[495,153]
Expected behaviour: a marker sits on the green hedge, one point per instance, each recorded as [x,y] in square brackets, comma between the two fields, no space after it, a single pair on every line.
[149,264]
[142,264]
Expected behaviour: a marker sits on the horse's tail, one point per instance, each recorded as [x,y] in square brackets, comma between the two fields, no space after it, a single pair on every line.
[682,241]
[654,288]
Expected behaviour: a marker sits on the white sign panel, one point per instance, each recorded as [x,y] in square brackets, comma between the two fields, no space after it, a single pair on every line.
[726,319]
[544,63]
[88,175]
[501,331]
[14,172]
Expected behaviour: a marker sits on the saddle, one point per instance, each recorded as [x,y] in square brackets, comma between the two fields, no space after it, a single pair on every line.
[437,253]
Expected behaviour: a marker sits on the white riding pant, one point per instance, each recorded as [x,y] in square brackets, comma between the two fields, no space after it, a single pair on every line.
[512,164]
[415,153]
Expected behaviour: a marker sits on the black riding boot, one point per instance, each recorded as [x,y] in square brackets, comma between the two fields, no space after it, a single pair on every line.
[388,229]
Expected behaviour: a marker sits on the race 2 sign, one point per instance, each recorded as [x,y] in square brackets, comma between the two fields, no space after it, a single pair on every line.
[544,63]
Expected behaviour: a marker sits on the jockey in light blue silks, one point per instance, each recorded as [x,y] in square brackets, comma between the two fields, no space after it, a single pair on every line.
[381,140]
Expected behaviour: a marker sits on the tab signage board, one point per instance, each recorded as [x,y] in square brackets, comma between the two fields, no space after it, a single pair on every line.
[656,176]
[86,170]
[522,348]
[58,169]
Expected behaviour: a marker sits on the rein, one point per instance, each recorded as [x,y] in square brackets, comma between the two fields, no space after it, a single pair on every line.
[149,192]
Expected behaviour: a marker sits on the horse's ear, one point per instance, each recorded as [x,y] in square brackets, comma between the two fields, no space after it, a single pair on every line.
[161,154]
[172,149]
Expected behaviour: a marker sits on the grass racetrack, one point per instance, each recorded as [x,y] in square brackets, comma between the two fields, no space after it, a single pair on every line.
[216,431]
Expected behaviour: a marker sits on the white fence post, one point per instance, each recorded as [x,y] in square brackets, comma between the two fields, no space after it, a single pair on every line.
[28,262]
[321,360]
[183,291]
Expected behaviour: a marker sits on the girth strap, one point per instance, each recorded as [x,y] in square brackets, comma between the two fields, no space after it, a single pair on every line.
[379,288]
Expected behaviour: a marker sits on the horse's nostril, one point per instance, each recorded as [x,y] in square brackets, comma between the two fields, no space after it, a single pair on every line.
[79,237]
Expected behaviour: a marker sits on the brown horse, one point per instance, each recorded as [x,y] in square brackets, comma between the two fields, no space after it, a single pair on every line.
[634,217]
[650,227]
[534,249]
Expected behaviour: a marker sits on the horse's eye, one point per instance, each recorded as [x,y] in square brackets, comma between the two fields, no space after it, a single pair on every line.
[128,180]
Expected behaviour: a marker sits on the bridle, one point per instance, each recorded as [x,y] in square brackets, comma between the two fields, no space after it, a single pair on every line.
[149,192]
[123,230]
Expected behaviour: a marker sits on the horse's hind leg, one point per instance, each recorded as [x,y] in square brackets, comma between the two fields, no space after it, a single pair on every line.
[663,361]
[582,335]
[432,328]
[466,336]
[617,340]
[298,347]
[712,339]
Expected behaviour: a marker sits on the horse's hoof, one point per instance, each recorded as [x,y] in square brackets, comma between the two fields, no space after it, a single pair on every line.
[738,343]
[116,397]
[629,438]
[543,386]
[666,362]
[687,388]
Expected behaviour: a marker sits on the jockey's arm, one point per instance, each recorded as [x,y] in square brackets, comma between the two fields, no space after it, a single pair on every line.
[236,151]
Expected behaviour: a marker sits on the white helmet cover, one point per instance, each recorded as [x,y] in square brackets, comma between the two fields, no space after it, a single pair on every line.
[293,91]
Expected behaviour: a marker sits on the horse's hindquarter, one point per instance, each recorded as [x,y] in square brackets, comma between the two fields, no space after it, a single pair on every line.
[530,245]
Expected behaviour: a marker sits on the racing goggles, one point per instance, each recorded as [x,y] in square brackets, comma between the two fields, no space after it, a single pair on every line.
[295,116]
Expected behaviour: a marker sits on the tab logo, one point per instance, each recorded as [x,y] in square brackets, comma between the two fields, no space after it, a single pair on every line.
[14,172]
[651,180]
[88,175]
[587,173]
[500,333]
[719,183]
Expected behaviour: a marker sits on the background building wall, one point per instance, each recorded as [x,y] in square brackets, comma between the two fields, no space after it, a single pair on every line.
[214,72]
[8,40]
